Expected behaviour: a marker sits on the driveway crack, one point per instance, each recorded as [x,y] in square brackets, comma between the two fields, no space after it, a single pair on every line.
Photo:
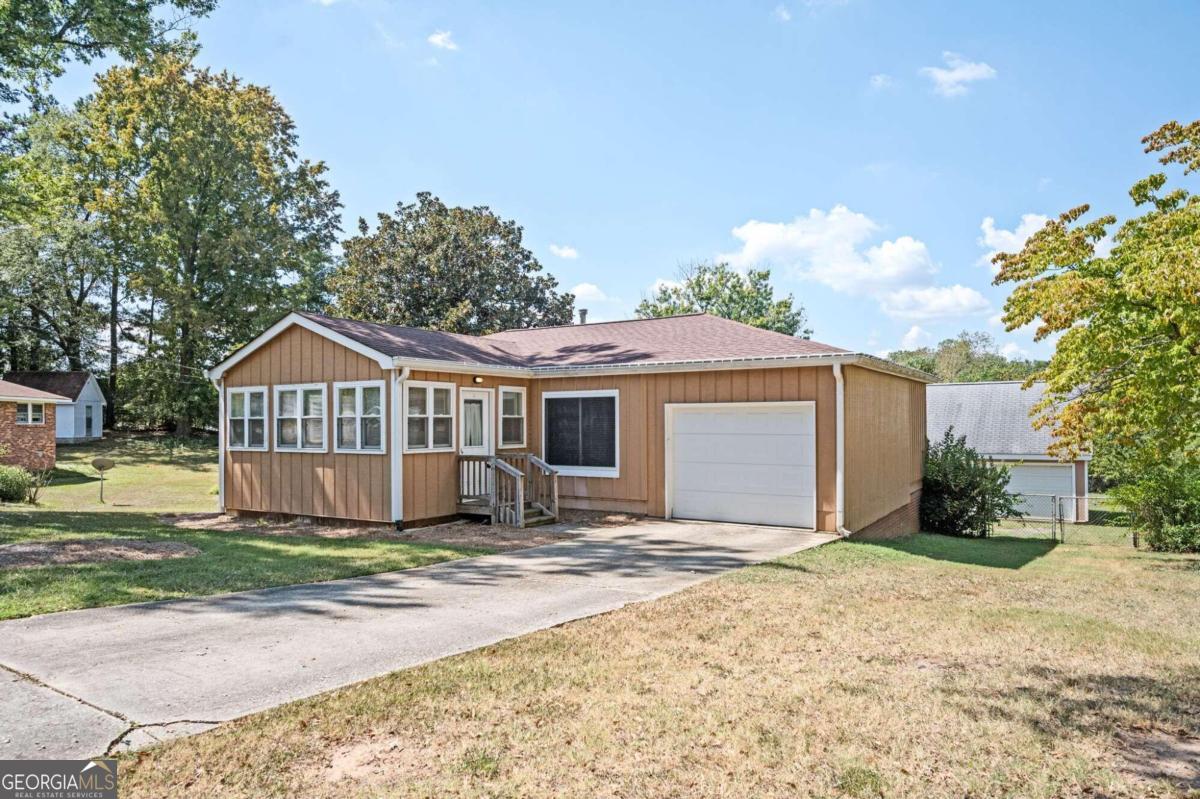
[24,675]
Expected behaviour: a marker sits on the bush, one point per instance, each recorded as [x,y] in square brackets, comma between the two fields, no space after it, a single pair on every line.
[14,483]
[963,493]
[1164,504]
[1175,538]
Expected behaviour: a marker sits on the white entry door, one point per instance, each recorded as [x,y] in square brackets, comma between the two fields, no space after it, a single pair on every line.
[753,462]
[475,413]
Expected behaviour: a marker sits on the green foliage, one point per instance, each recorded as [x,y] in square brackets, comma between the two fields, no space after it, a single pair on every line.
[37,481]
[462,270]
[966,358]
[1126,369]
[963,493]
[1163,501]
[717,289]
[14,483]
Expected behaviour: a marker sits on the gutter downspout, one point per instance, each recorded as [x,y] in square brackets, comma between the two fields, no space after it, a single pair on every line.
[840,490]
[397,457]
[219,383]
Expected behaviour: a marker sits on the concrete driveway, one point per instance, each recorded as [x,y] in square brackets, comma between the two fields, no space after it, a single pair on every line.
[80,683]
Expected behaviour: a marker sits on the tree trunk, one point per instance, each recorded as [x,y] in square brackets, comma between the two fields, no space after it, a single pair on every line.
[114,299]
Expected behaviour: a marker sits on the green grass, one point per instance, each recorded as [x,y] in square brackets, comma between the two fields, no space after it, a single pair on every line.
[148,480]
[927,666]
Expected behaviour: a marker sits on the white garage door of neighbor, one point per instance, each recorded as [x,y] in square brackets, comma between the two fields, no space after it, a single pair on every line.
[1038,482]
[753,463]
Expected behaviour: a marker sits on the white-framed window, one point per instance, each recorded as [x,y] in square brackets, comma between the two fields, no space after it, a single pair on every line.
[246,418]
[300,418]
[428,416]
[31,413]
[358,409]
[580,435]
[512,416]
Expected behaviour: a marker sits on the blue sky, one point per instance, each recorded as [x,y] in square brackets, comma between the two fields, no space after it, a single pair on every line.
[855,147]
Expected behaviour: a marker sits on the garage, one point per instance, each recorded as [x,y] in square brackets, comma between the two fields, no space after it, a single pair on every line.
[751,463]
[1038,483]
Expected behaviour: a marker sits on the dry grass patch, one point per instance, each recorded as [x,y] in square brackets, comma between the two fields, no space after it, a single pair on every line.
[929,667]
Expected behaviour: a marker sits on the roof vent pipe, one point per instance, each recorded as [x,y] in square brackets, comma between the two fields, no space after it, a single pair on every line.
[583,316]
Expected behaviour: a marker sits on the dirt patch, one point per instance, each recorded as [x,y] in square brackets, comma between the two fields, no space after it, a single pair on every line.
[23,555]
[1157,755]
[471,534]
[380,761]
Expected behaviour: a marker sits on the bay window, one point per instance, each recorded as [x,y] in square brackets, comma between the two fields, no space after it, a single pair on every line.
[246,418]
[580,432]
[359,409]
[428,416]
[300,418]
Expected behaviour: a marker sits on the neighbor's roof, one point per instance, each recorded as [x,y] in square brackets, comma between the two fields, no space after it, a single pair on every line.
[993,416]
[15,392]
[693,337]
[66,384]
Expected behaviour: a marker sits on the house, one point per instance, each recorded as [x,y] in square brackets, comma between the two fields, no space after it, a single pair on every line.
[27,426]
[690,416]
[82,418]
[995,418]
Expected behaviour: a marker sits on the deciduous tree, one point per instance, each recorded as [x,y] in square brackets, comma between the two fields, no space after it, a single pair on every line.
[967,358]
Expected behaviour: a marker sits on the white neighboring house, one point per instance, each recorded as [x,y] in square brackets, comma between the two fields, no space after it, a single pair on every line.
[81,419]
[995,419]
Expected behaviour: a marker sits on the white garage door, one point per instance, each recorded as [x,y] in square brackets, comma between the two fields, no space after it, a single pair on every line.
[753,463]
[1038,483]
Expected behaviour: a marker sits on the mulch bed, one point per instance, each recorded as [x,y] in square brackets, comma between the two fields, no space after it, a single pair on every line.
[26,554]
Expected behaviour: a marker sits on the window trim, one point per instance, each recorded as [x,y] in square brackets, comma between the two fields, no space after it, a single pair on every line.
[247,390]
[501,417]
[612,472]
[300,448]
[336,410]
[429,385]
[29,414]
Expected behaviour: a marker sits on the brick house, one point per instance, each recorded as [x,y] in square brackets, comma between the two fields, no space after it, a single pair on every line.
[27,425]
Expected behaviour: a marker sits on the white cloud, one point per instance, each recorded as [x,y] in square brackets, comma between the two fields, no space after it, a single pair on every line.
[590,292]
[933,302]
[827,248]
[916,336]
[998,240]
[325,3]
[953,79]
[782,14]
[663,283]
[442,40]
[1013,351]
[564,251]
[881,81]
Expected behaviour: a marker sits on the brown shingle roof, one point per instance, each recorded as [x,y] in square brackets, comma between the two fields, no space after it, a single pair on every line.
[65,384]
[693,337]
[15,391]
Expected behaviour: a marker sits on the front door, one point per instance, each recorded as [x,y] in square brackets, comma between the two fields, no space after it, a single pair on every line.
[475,411]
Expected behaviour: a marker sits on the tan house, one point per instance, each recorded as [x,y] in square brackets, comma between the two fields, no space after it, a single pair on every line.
[27,424]
[691,417]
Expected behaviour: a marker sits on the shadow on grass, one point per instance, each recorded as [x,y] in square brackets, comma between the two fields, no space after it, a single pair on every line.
[997,552]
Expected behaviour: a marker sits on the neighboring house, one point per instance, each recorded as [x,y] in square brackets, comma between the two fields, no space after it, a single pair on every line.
[995,419]
[27,426]
[690,416]
[82,418]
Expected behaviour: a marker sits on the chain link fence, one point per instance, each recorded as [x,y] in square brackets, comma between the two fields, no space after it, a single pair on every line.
[1092,519]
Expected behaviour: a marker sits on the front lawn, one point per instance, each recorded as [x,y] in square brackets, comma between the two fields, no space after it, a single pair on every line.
[927,667]
[152,477]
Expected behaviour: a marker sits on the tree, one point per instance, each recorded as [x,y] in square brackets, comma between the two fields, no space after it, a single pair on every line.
[967,358]
[717,289]
[223,225]
[1126,369]
[962,492]
[462,270]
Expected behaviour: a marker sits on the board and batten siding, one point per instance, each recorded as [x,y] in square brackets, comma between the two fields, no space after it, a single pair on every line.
[302,483]
[884,444]
[640,486]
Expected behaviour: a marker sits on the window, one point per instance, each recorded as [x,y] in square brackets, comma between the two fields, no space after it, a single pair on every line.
[359,409]
[429,416]
[512,417]
[300,418]
[580,432]
[89,415]
[31,413]
[247,422]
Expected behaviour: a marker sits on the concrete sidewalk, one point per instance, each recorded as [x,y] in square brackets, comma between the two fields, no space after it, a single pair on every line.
[75,684]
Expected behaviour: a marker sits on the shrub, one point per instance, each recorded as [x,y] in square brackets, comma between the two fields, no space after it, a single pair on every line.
[963,493]
[1164,504]
[14,483]
[37,481]
[1175,538]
